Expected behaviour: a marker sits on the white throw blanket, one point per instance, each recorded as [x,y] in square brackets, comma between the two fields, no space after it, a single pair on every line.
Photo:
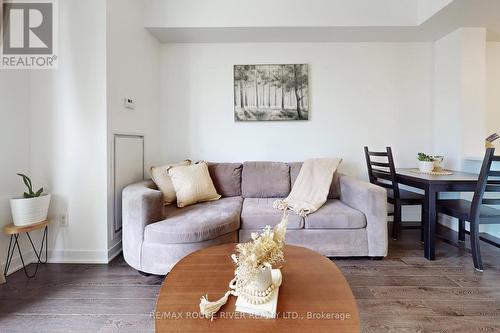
[310,190]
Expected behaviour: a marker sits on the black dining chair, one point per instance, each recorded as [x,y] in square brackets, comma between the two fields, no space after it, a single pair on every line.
[477,211]
[383,173]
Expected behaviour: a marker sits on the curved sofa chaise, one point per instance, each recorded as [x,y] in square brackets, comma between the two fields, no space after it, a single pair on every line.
[352,223]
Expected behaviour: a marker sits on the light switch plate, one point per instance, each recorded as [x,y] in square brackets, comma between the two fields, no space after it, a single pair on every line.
[129,103]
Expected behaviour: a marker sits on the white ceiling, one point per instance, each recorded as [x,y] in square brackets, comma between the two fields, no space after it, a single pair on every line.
[219,21]
[279,13]
[427,8]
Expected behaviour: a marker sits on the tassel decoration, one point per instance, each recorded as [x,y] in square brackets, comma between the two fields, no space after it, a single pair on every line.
[209,309]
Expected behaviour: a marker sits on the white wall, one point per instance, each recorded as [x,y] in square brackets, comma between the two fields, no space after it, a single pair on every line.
[473,86]
[466,102]
[493,88]
[15,149]
[459,121]
[56,123]
[53,127]
[447,96]
[493,106]
[372,94]
[133,61]
[68,133]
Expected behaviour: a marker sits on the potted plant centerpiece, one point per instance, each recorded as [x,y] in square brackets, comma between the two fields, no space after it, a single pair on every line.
[32,207]
[425,163]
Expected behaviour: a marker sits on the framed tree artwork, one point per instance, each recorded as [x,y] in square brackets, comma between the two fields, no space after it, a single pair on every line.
[271,92]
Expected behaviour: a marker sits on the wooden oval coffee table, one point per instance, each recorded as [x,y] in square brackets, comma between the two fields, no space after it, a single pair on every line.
[314,296]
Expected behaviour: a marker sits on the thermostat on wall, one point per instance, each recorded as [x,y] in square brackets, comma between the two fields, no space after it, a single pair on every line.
[129,103]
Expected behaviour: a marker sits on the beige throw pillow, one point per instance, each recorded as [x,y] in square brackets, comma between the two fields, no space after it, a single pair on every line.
[192,184]
[162,180]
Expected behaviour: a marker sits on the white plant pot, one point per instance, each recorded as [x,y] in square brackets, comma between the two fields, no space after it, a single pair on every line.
[26,211]
[426,166]
[263,280]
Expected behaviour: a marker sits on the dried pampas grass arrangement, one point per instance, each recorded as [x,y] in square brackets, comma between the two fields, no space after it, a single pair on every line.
[265,249]
[252,258]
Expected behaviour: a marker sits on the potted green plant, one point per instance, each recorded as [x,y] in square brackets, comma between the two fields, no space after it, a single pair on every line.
[425,162]
[32,207]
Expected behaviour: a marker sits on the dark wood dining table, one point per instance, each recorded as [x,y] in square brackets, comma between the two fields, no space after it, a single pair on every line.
[432,185]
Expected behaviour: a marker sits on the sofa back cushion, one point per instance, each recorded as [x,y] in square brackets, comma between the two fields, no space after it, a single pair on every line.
[193,184]
[226,178]
[334,192]
[265,180]
[164,183]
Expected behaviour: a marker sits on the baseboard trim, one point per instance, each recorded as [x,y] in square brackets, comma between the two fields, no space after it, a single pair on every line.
[487,238]
[114,251]
[77,257]
[67,257]
[447,232]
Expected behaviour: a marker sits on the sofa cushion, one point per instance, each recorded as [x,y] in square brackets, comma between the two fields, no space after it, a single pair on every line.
[196,223]
[259,212]
[193,184]
[226,178]
[265,180]
[164,183]
[334,192]
[335,214]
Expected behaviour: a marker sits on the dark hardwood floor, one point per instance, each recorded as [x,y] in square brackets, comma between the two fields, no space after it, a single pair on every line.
[402,293]
[407,293]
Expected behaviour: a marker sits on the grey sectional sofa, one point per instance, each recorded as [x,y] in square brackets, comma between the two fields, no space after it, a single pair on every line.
[353,222]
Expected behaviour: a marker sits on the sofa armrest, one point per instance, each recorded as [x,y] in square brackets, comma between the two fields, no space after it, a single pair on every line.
[372,201]
[142,204]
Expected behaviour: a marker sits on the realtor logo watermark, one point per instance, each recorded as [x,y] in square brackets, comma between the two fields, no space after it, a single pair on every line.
[29,33]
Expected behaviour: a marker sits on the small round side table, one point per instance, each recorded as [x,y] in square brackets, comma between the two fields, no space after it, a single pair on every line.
[14,232]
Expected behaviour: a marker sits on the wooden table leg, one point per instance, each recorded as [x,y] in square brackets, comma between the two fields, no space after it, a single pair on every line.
[430,223]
